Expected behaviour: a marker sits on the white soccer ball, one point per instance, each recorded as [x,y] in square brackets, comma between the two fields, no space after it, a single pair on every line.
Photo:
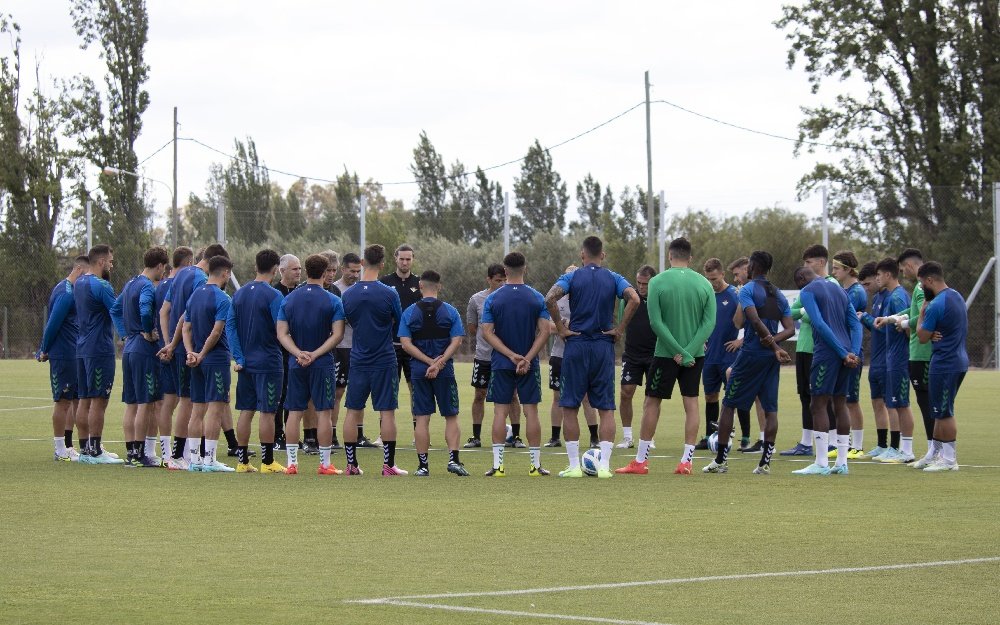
[590,461]
[713,443]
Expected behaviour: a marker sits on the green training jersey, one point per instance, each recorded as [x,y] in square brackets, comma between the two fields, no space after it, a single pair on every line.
[681,307]
[918,351]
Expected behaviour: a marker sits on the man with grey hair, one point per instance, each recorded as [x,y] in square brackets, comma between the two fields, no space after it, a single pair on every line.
[330,277]
[290,270]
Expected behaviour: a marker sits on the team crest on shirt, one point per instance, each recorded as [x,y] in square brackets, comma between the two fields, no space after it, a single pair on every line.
[725,302]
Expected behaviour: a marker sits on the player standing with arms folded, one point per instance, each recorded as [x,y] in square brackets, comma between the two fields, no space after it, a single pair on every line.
[944,321]
[682,315]
[845,270]
[373,310]
[58,348]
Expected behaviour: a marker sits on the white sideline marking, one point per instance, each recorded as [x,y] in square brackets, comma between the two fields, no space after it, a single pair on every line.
[25,408]
[680,580]
[560,617]
[21,397]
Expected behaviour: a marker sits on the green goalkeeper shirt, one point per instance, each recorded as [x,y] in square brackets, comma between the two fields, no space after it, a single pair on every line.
[918,351]
[681,307]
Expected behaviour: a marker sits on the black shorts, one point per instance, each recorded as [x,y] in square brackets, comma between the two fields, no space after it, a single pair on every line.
[343,357]
[664,372]
[481,373]
[633,373]
[920,371]
[803,368]
[555,372]
[402,363]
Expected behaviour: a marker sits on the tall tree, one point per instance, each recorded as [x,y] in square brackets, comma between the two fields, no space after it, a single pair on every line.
[247,194]
[107,125]
[596,205]
[541,195]
[431,205]
[488,197]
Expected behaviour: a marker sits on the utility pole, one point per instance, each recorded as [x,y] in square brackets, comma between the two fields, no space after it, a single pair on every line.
[173,205]
[506,224]
[363,203]
[649,177]
[996,275]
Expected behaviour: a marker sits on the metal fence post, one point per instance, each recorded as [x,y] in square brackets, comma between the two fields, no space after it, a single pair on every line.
[6,345]
[506,224]
[662,235]
[363,204]
[996,276]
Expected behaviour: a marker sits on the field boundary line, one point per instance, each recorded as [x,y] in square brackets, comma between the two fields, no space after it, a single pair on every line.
[22,397]
[540,615]
[678,580]
[25,408]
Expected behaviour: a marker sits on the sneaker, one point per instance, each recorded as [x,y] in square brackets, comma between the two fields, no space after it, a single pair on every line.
[831,453]
[604,474]
[875,452]
[517,443]
[626,443]
[245,468]
[855,454]
[353,469]
[683,468]
[839,470]
[364,442]
[328,470]
[130,463]
[537,471]
[715,467]
[110,454]
[813,469]
[390,471]
[941,465]
[292,469]
[798,450]
[146,462]
[310,448]
[336,444]
[86,458]
[925,462]
[107,458]
[900,458]
[889,455]
[61,458]
[762,470]
[177,464]
[552,442]
[702,444]
[217,467]
[496,472]
[474,442]
[568,472]
[756,448]
[73,454]
[458,469]
[652,444]
[422,472]
[274,467]
[595,443]
[377,442]
[634,467]
[194,467]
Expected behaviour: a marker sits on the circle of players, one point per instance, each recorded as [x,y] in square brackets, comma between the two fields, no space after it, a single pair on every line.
[300,350]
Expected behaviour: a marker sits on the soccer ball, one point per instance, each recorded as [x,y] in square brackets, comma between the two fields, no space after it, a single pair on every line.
[591,461]
[713,443]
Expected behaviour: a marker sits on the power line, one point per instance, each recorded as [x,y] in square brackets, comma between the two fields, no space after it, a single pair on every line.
[155,153]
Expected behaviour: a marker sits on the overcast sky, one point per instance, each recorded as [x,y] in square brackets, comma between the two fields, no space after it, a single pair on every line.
[323,85]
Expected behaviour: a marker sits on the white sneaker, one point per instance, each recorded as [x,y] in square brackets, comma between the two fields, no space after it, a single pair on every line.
[377,442]
[652,444]
[106,458]
[401,471]
[74,455]
[941,465]
[216,467]
[177,464]
[110,454]
[625,444]
[925,462]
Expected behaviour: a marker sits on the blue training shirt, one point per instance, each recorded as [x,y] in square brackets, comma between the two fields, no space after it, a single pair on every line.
[207,305]
[514,311]
[184,284]
[250,323]
[311,311]
[725,330]
[897,344]
[94,299]
[161,296]
[133,315]
[59,337]
[836,329]
[879,335]
[592,292]
[946,313]
[372,308]
[445,317]
[754,295]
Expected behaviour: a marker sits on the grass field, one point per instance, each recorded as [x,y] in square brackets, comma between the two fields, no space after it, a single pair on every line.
[108,545]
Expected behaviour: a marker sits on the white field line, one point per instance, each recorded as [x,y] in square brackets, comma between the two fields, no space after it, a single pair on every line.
[539,615]
[26,408]
[22,397]
[682,580]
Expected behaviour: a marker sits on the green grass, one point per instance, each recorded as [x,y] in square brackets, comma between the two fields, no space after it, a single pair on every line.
[104,544]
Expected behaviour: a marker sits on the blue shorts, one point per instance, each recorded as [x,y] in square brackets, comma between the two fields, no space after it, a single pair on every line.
[503,383]
[95,377]
[141,379]
[62,375]
[168,378]
[713,377]
[854,385]
[588,370]
[897,388]
[183,374]
[876,383]
[942,389]
[442,390]
[382,385]
[828,377]
[258,391]
[753,377]
[210,383]
[316,383]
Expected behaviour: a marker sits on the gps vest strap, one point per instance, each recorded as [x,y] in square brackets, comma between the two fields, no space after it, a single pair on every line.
[430,329]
